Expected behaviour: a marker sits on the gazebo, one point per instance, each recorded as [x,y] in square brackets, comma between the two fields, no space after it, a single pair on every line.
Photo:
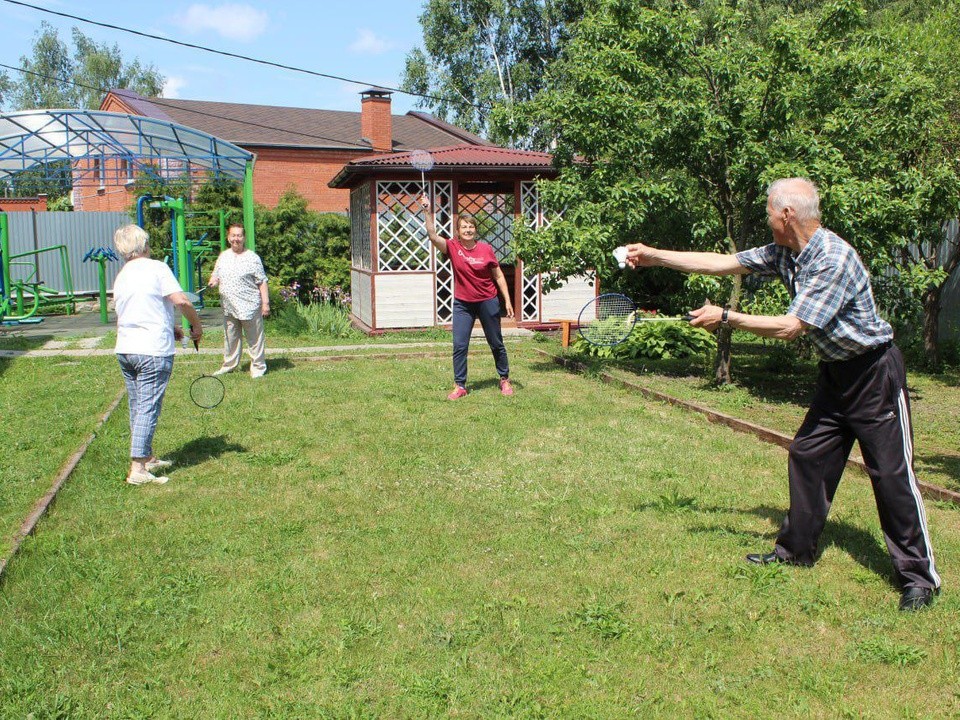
[398,280]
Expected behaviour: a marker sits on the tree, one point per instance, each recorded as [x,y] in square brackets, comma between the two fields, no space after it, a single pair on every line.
[55,78]
[485,53]
[672,118]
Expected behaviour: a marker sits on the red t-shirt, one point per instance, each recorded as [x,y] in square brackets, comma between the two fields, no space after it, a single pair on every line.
[472,271]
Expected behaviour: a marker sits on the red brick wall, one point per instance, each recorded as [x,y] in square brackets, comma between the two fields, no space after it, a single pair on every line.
[308,171]
[24,204]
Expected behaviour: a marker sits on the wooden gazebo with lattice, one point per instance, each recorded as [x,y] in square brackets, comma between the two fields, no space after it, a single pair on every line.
[398,280]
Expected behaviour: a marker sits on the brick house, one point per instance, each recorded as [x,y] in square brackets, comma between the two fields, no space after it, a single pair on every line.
[298,147]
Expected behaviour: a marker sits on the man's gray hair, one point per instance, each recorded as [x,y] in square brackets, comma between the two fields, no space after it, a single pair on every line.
[131,241]
[797,193]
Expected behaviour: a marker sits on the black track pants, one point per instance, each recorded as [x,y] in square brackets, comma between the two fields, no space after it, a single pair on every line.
[863,399]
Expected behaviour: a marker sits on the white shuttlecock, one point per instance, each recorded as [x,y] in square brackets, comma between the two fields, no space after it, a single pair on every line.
[621,255]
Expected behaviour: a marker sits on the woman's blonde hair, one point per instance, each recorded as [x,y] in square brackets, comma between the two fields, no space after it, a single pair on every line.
[131,241]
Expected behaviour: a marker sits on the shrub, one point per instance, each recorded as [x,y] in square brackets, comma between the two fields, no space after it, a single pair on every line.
[655,340]
[324,314]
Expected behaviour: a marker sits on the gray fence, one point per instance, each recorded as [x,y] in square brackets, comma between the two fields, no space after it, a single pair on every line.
[78,231]
[950,308]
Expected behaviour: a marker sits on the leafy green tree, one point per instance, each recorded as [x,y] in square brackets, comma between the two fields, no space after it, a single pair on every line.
[672,118]
[484,53]
[54,77]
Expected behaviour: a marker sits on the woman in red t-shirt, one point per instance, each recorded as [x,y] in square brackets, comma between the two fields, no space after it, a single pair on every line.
[476,278]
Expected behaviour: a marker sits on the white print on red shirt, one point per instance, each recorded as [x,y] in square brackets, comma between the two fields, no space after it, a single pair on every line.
[469,258]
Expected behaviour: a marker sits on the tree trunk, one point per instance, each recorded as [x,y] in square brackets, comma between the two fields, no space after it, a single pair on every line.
[931,325]
[721,368]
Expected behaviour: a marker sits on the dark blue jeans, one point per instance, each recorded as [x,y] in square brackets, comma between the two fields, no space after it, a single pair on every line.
[464,315]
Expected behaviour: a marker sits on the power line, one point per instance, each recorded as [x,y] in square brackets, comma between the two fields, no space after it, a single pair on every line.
[160,102]
[237,56]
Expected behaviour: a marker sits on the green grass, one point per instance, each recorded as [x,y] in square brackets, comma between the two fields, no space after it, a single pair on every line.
[339,541]
[48,407]
[773,388]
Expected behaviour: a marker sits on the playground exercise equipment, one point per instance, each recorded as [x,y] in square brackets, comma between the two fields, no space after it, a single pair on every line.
[23,297]
[102,256]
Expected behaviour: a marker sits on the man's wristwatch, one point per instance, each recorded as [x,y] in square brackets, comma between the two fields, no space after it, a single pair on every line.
[725,317]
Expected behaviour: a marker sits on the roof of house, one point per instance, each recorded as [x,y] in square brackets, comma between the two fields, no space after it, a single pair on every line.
[269,125]
[457,158]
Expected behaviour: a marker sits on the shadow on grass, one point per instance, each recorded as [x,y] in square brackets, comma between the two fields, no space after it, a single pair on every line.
[280,365]
[204,448]
[948,465]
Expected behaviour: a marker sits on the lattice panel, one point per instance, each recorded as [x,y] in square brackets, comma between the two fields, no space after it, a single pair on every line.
[494,213]
[443,205]
[401,232]
[533,211]
[530,296]
[360,227]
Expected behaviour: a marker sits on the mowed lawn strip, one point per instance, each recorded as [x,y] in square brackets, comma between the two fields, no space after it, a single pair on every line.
[773,389]
[338,540]
[48,408]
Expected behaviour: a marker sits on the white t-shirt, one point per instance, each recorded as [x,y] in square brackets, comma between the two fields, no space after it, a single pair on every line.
[240,275]
[144,315]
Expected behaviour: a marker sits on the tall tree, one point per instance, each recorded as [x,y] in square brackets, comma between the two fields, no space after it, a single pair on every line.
[54,77]
[481,54]
[684,111]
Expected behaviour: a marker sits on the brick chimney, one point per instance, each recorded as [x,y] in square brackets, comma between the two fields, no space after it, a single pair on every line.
[376,122]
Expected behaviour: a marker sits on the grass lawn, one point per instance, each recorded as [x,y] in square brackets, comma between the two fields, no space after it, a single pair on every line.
[339,541]
[773,388]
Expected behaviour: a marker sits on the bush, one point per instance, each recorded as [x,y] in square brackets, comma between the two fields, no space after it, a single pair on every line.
[666,340]
[325,314]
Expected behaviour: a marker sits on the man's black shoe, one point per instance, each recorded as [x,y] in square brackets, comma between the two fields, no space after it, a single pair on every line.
[917,598]
[764,559]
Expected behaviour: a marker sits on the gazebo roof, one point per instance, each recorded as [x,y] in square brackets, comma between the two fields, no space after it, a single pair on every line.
[38,138]
[472,160]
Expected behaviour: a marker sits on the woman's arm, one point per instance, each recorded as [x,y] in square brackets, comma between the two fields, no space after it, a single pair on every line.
[186,307]
[438,242]
[264,299]
[501,282]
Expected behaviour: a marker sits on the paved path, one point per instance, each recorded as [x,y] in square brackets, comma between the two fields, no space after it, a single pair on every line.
[81,335]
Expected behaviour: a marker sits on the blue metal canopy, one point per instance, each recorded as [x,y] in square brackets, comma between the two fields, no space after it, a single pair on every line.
[111,146]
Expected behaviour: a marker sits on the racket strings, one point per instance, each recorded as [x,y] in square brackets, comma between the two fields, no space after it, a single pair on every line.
[612,320]
[206,391]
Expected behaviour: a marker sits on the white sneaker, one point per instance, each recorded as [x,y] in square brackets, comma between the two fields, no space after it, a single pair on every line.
[144,478]
[157,464]
[222,371]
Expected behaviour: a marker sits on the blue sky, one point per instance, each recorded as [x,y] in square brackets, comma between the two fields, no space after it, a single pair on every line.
[366,40]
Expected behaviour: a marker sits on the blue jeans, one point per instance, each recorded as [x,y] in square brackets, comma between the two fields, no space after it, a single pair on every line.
[464,315]
[146,377]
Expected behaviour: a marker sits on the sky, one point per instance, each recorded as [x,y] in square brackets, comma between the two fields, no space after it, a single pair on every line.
[363,40]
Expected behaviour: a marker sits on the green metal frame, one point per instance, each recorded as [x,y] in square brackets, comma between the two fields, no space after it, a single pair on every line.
[13,303]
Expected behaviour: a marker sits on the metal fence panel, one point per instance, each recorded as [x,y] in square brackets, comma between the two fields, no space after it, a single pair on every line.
[78,231]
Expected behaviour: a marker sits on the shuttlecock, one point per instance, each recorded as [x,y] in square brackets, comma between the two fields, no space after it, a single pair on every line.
[621,255]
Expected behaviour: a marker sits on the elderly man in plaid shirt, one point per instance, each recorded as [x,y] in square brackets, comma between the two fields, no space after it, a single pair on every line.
[861,390]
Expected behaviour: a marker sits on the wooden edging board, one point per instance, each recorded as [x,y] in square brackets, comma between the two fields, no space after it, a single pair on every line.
[934,492]
[43,504]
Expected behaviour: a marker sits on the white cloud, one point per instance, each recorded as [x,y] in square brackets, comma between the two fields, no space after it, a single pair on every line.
[233,22]
[173,85]
[367,43]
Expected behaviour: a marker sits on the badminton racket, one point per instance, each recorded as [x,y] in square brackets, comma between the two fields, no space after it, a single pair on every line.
[608,319]
[207,391]
[422,161]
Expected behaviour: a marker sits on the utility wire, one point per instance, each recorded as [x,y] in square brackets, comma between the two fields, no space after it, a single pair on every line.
[237,56]
[160,102]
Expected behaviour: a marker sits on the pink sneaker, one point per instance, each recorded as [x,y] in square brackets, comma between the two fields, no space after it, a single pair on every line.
[505,387]
[458,392]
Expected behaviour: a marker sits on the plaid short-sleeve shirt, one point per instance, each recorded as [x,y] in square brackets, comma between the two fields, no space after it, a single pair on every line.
[829,290]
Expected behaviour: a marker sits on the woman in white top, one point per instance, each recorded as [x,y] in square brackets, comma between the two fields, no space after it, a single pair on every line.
[245,301]
[145,293]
